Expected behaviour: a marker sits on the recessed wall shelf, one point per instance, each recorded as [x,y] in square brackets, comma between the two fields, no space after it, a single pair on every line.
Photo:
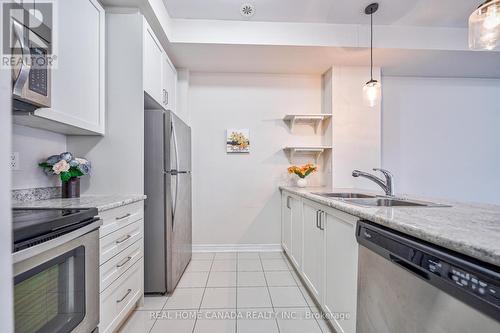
[316,151]
[315,119]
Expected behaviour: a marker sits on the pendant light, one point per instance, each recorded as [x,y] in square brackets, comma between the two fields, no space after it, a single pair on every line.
[484,26]
[371,90]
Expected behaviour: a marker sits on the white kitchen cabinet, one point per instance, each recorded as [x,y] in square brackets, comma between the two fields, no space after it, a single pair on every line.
[169,84]
[291,228]
[341,266]
[78,75]
[297,231]
[286,222]
[313,248]
[121,245]
[325,240]
[153,63]
[160,75]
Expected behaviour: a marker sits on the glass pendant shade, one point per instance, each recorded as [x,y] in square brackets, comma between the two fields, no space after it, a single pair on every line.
[371,93]
[484,26]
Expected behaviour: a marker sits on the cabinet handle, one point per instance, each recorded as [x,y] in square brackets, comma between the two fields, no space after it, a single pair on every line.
[166,97]
[122,217]
[123,262]
[321,220]
[124,296]
[123,239]
[288,203]
[317,219]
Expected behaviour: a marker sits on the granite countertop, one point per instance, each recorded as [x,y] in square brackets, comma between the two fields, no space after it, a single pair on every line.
[470,229]
[101,202]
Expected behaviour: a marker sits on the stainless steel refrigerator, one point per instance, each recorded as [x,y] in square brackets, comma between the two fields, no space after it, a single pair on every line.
[167,212]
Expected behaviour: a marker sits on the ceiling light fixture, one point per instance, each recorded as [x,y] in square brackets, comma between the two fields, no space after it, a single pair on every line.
[371,90]
[484,26]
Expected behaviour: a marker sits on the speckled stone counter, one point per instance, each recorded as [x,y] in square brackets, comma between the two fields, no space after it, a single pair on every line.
[101,202]
[470,229]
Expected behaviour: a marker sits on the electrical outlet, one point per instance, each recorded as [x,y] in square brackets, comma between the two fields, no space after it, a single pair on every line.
[14,161]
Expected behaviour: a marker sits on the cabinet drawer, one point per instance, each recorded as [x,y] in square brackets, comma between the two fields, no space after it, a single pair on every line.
[120,298]
[117,218]
[117,265]
[115,242]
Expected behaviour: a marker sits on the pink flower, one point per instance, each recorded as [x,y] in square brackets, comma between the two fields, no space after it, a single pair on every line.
[61,166]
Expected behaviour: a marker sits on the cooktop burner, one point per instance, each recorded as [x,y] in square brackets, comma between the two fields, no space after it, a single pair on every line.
[38,223]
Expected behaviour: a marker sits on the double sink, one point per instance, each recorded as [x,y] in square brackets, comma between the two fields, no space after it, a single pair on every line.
[367,200]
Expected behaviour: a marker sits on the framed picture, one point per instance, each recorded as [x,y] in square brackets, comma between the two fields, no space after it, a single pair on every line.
[238,141]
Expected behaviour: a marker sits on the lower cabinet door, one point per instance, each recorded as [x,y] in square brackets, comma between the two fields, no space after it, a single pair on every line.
[341,265]
[286,222]
[313,250]
[297,232]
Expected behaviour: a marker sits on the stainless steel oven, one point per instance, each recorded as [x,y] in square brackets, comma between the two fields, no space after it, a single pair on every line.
[31,76]
[56,281]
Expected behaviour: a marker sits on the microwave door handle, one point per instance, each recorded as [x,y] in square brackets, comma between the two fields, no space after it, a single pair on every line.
[25,68]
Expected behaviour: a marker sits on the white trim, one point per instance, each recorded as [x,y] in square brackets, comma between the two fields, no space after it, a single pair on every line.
[237,248]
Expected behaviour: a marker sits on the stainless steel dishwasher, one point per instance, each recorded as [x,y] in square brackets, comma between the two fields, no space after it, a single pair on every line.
[407,285]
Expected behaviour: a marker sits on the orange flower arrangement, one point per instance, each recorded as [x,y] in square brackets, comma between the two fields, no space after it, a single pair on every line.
[303,171]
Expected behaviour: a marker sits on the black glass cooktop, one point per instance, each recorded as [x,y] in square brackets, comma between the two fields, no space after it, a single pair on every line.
[29,224]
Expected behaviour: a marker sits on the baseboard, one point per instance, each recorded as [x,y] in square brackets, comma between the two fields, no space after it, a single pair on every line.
[237,248]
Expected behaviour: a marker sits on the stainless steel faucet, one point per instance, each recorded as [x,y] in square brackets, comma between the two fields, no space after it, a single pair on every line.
[387,185]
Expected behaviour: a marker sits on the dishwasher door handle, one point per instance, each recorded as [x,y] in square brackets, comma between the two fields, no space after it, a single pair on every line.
[409,267]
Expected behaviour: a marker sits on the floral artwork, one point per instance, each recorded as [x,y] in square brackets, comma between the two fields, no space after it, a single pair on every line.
[238,141]
[66,166]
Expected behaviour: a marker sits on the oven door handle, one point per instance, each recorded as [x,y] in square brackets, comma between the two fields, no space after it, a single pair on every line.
[24,70]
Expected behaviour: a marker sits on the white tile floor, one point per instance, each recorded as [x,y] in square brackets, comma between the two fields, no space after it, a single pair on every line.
[232,293]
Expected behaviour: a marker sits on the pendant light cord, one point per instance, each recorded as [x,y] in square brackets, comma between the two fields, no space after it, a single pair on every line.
[371,45]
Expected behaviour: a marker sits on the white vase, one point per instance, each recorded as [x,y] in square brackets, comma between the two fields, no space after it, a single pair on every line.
[301,182]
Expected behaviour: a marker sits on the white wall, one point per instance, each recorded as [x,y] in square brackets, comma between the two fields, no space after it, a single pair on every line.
[356,128]
[33,146]
[235,197]
[6,302]
[441,137]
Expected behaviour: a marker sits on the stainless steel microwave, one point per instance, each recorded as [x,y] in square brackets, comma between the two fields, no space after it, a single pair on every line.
[31,77]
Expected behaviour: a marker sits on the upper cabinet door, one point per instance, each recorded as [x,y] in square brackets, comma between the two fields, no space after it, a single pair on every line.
[169,84]
[78,84]
[153,66]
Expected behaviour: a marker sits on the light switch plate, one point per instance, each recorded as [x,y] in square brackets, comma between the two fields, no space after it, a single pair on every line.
[14,161]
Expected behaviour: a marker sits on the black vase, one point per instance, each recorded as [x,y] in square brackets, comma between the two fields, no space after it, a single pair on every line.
[71,188]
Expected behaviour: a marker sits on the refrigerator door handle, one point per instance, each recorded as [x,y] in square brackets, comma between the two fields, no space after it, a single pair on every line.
[175,202]
[176,148]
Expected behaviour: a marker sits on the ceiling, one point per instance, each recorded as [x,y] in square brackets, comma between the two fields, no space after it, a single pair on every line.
[438,13]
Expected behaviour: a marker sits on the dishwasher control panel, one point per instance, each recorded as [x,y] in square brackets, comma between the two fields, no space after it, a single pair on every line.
[470,281]
[461,278]
[475,283]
